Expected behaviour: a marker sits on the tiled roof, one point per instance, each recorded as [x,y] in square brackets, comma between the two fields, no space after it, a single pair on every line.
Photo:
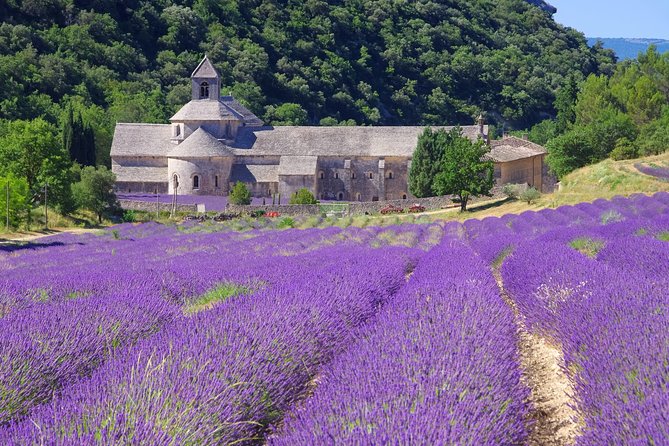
[205,110]
[255,173]
[511,148]
[141,140]
[334,141]
[205,69]
[249,118]
[200,144]
[298,165]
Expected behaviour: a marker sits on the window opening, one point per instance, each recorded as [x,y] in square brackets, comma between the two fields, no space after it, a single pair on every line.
[204,90]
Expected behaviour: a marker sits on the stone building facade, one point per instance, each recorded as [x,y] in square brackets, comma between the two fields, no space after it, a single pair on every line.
[214,141]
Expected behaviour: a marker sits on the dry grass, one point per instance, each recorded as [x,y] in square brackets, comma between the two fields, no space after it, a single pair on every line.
[602,180]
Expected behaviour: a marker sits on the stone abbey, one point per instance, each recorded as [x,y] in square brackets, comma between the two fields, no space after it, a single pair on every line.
[214,141]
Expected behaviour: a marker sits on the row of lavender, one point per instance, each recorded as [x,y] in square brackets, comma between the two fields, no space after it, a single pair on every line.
[94,308]
[439,366]
[174,268]
[610,314]
[224,375]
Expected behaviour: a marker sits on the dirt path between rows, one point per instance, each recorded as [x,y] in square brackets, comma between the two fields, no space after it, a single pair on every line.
[555,419]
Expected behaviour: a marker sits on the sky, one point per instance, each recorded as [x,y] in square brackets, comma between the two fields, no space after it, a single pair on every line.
[615,18]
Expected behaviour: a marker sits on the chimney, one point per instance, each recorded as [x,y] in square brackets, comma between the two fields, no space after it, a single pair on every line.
[481,122]
[526,137]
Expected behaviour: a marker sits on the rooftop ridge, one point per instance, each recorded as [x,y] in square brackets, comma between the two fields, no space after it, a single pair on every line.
[146,124]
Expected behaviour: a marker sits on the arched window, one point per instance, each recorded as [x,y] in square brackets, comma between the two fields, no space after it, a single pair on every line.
[175,181]
[336,176]
[390,175]
[353,175]
[371,175]
[358,197]
[204,90]
[196,182]
[340,196]
[404,196]
[216,181]
[321,175]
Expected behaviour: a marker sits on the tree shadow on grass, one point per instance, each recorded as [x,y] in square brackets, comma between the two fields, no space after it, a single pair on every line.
[13,246]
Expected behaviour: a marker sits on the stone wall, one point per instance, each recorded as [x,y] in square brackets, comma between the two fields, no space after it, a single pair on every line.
[374,207]
[143,187]
[148,206]
[365,207]
[286,209]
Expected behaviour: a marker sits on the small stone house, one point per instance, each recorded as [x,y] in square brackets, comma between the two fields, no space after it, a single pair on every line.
[518,161]
[214,141]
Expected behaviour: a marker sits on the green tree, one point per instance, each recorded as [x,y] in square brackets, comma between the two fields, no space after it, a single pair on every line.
[240,194]
[572,150]
[78,139]
[31,150]
[465,168]
[95,191]
[303,196]
[286,114]
[425,163]
[19,200]
[565,105]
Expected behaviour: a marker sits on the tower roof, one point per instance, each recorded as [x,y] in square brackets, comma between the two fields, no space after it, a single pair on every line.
[205,69]
[200,144]
[205,110]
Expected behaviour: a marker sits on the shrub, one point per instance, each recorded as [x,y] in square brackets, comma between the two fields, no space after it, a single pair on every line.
[303,196]
[625,150]
[129,216]
[95,191]
[530,195]
[240,194]
[286,222]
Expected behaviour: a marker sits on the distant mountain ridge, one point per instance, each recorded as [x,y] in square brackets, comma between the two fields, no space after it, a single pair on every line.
[626,48]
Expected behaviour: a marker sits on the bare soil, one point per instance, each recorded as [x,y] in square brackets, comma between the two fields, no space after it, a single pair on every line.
[554,415]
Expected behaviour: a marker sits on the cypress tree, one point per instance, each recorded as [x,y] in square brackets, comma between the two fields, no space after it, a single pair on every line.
[68,133]
[424,164]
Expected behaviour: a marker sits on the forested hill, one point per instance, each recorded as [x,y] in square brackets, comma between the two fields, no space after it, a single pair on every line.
[346,61]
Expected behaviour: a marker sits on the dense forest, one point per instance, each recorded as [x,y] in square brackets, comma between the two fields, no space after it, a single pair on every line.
[303,62]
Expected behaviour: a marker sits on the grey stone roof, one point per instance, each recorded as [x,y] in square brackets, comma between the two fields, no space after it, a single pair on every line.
[334,141]
[255,173]
[511,148]
[142,174]
[205,110]
[249,118]
[141,140]
[298,165]
[200,144]
[205,69]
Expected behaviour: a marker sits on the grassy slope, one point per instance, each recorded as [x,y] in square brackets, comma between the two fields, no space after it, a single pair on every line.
[603,180]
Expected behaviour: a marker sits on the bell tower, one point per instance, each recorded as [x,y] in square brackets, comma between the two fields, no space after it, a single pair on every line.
[205,81]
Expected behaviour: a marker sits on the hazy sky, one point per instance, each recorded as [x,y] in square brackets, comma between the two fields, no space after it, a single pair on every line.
[615,18]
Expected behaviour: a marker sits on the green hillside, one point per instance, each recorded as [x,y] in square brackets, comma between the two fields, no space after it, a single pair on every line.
[354,61]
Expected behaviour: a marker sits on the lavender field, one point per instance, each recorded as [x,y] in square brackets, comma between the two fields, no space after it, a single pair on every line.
[409,334]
